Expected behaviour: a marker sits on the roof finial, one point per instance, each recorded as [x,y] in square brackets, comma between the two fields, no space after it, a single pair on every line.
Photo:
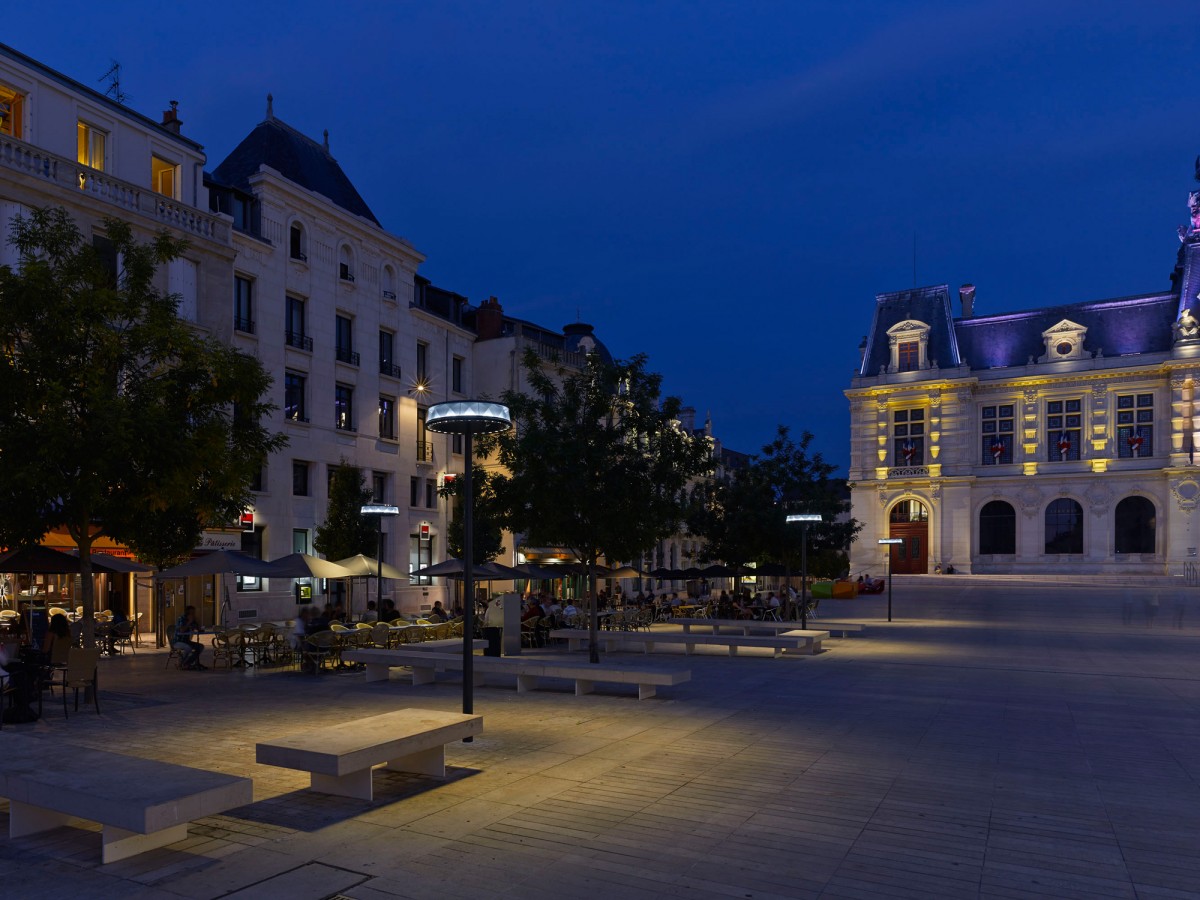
[326,140]
[270,107]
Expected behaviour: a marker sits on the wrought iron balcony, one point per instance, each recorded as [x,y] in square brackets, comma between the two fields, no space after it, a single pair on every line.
[244,325]
[388,369]
[299,340]
[425,451]
[346,355]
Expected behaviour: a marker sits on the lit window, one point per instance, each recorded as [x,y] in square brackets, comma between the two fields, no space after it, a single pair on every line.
[12,108]
[1135,425]
[387,417]
[909,356]
[164,177]
[343,407]
[996,427]
[908,437]
[293,397]
[1064,423]
[91,146]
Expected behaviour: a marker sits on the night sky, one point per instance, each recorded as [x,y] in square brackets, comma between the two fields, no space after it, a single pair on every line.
[724,186]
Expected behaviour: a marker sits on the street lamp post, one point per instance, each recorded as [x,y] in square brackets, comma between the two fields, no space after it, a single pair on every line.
[890,542]
[468,418]
[380,511]
[805,519]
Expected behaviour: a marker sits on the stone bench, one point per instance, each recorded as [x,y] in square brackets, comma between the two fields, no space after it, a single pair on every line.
[844,628]
[753,626]
[796,639]
[528,670]
[339,758]
[142,804]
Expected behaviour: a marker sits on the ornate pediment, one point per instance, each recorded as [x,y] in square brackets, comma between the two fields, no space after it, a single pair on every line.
[1064,341]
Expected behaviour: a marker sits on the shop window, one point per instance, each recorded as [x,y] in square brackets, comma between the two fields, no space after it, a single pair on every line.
[1064,423]
[1135,425]
[996,430]
[997,528]
[1134,526]
[252,544]
[420,555]
[1064,526]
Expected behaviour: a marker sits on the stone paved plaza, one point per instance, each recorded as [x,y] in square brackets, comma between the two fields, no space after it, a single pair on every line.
[996,740]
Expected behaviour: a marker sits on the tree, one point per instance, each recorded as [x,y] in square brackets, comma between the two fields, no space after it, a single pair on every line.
[117,417]
[486,515]
[596,462]
[346,531]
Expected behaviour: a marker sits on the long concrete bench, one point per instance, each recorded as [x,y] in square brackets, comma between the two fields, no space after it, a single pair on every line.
[339,758]
[753,626]
[142,804]
[528,670]
[442,645]
[796,639]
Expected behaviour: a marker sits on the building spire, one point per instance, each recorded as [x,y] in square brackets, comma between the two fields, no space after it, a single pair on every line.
[326,140]
[270,107]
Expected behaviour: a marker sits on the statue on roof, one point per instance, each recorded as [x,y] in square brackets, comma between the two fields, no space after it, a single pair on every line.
[1191,231]
[1188,327]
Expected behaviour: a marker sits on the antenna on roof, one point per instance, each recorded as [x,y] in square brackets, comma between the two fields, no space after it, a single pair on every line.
[270,107]
[113,77]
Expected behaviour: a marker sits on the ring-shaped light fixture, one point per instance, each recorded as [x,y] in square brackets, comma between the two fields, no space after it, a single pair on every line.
[461,416]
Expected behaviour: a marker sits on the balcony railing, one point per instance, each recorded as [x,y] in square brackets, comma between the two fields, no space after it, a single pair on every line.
[347,356]
[424,451]
[389,295]
[388,369]
[299,340]
[243,325]
[18,156]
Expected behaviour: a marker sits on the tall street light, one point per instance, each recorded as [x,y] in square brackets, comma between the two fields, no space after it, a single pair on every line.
[380,511]
[468,418]
[890,542]
[805,519]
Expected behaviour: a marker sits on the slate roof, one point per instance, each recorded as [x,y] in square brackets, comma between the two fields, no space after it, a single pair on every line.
[1140,324]
[930,305]
[297,158]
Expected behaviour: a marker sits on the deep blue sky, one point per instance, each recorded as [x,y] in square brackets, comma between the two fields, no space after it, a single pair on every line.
[725,186]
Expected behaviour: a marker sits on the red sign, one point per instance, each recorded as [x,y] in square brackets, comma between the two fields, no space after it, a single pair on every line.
[248,521]
[424,530]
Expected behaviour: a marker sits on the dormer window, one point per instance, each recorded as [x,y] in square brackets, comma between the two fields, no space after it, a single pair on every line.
[297,245]
[908,342]
[12,110]
[1064,341]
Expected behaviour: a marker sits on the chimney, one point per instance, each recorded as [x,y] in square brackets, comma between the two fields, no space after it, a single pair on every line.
[489,319]
[171,120]
[966,294]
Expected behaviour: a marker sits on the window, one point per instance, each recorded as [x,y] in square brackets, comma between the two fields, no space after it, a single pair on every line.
[1064,420]
[106,253]
[1134,526]
[997,528]
[299,478]
[297,335]
[456,374]
[243,304]
[343,407]
[909,511]
[91,141]
[300,540]
[164,177]
[252,544]
[456,444]
[12,109]
[996,426]
[387,417]
[420,555]
[387,355]
[909,356]
[183,276]
[330,473]
[344,330]
[257,482]
[908,437]
[346,264]
[389,283]
[379,484]
[1064,526]
[293,397]
[414,490]
[424,447]
[297,246]
[422,361]
[1135,426]
[430,494]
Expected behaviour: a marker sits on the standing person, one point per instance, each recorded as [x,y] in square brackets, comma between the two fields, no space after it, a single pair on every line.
[186,629]
[493,625]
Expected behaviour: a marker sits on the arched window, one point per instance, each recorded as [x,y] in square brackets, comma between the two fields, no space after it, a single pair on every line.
[389,282]
[997,528]
[346,263]
[1064,526]
[909,511]
[297,245]
[1134,526]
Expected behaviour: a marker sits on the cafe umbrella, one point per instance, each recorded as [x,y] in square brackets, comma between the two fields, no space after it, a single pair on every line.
[363,566]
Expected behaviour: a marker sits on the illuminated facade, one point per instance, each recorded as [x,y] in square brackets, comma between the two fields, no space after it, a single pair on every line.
[1056,440]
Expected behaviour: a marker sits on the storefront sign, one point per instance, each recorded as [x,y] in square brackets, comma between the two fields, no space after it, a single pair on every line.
[220,540]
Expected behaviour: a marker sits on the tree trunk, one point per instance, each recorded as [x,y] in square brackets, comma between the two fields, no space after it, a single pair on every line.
[87,588]
[593,613]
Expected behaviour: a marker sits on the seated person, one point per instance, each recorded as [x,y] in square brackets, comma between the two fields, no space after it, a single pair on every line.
[372,614]
[532,611]
[186,629]
[438,612]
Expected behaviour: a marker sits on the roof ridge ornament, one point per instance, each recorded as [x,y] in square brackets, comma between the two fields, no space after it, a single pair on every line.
[270,107]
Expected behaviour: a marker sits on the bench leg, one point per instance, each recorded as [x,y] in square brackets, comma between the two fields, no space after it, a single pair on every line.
[120,844]
[688,648]
[355,784]
[733,649]
[24,819]
[376,672]
[423,674]
[646,691]
[583,687]
[425,762]
[814,648]
[526,683]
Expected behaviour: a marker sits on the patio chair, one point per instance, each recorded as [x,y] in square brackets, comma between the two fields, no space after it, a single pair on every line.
[80,672]
[318,649]
[122,637]
[529,631]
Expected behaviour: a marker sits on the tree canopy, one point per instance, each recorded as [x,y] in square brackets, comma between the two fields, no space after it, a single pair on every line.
[346,531]
[488,539]
[117,417]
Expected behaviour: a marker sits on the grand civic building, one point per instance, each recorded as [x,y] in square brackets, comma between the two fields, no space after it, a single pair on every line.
[1054,440]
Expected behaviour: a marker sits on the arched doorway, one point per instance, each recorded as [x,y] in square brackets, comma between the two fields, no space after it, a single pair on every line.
[909,521]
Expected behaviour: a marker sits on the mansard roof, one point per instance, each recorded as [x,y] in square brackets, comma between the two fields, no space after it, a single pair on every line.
[299,159]
[930,305]
[1138,324]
